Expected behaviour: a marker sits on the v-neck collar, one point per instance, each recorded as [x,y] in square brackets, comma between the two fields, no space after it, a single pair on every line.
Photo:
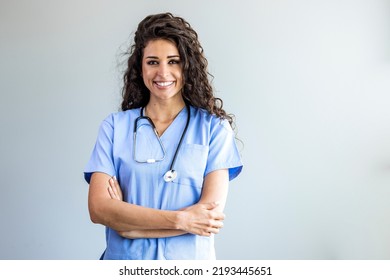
[178,117]
[173,124]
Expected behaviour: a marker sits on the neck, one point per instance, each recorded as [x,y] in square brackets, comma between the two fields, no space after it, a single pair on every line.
[163,112]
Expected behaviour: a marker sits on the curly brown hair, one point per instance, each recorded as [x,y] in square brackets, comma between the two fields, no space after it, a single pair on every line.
[197,89]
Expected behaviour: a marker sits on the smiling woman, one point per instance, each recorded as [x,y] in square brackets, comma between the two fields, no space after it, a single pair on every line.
[163,199]
[162,75]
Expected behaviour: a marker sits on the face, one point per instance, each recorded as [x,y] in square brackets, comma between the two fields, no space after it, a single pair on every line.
[162,70]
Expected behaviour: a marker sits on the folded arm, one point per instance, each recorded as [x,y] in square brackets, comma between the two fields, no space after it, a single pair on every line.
[202,218]
[215,189]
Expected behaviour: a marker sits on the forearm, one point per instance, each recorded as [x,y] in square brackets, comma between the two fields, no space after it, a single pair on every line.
[152,233]
[215,188]
[107,207]
[123,216]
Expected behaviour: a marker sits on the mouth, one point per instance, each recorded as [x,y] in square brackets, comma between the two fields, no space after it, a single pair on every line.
[163,84]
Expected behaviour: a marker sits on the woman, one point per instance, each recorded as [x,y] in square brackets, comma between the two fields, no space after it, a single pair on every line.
[161,194]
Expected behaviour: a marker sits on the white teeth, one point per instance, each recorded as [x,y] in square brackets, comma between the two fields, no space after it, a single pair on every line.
[164,84]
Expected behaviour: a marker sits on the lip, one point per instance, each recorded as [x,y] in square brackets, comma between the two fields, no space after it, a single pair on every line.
[163,84]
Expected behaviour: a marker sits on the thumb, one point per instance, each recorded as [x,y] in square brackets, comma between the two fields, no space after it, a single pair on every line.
[212,205]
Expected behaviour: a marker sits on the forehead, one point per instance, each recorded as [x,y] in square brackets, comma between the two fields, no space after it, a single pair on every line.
[160,48]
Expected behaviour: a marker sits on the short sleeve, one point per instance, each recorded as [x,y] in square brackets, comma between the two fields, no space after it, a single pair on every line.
[223,151]
[101,159]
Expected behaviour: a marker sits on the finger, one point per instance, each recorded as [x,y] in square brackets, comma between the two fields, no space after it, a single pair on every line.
[209,232]
[114,182]
[210,226]
[117,188]
[214,225]
[216,215]
[111,193]
[218,224]
[111,182]
[114,188]
[203,232]
[220,216]
[214,230]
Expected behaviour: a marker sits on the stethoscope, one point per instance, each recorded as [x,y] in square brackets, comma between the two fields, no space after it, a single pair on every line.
[171,174]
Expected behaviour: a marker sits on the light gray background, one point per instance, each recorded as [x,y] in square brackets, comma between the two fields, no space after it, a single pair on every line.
[308,81]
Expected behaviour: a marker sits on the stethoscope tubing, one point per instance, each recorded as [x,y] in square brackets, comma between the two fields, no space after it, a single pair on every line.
[135,138]
[181,138]
[171,170]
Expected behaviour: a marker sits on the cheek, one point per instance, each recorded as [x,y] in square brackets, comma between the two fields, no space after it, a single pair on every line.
[146,79]
[146,75]
[179,76]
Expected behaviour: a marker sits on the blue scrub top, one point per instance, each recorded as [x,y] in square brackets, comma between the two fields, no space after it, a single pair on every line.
[208,145]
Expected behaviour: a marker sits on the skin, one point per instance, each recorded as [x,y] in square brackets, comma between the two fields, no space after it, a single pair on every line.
[215,187]
[202,218]
[162,75]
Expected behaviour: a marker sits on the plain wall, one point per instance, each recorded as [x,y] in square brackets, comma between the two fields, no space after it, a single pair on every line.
[308,81]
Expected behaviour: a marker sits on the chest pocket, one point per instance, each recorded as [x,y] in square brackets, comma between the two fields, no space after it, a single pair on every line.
[191,164]
[186,189]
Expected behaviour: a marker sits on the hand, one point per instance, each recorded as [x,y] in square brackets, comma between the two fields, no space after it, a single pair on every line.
[202,219]
[126,234]
[114,189]
[116,193]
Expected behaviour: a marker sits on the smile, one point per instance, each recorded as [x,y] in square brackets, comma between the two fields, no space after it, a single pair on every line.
[164,84]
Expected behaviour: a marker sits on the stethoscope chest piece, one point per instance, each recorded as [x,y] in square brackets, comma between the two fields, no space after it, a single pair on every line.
[170,175]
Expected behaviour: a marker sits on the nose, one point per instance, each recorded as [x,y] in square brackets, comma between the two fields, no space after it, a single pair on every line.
[163,70]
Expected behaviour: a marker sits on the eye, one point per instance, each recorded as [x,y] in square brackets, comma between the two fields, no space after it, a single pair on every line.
[174,61]
[152,62]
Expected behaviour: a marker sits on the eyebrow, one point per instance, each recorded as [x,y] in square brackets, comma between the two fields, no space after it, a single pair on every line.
[156,57]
